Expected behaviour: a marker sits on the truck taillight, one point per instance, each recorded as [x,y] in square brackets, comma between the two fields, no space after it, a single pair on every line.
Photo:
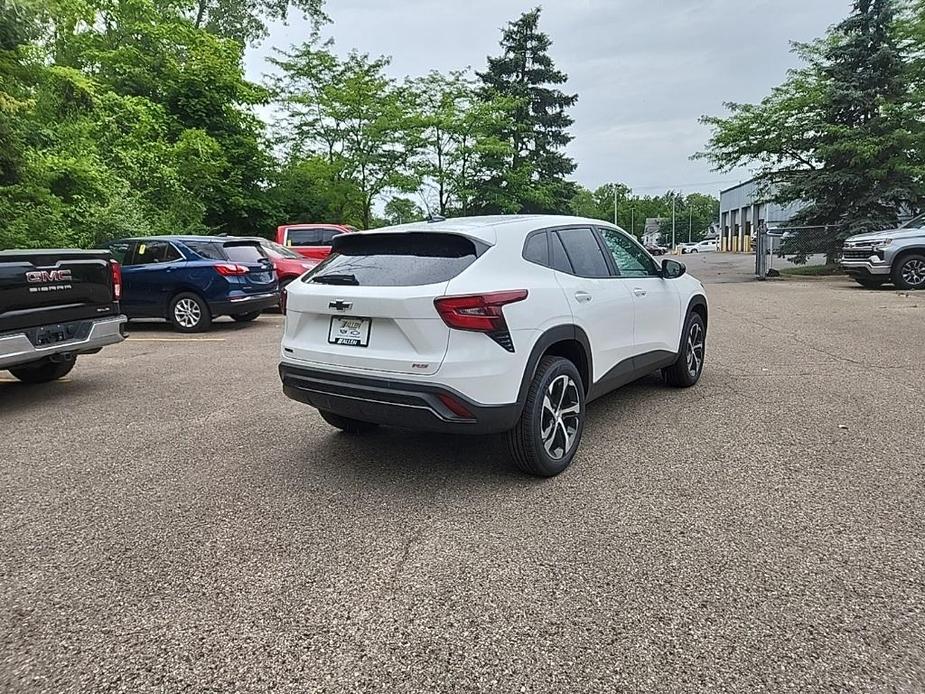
[116,270]
[231,269]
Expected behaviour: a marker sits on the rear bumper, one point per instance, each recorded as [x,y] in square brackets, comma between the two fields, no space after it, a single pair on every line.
[394,402]
[16,348]
[244,304]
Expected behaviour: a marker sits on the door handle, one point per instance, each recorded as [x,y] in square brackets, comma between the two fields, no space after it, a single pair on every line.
[582,297]
[639,291]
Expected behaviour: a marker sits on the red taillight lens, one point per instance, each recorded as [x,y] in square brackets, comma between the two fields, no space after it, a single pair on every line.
[231,269]
[116,270]
[478,312]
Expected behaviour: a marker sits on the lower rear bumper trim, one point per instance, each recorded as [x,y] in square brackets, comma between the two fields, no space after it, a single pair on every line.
[393,402]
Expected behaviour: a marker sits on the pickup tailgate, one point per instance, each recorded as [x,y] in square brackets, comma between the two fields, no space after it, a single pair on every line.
[41,287]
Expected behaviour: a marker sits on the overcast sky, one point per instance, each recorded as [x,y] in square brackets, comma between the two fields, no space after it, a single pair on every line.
[644,70]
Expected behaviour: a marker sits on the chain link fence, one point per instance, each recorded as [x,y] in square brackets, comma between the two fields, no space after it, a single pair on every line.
[777,247]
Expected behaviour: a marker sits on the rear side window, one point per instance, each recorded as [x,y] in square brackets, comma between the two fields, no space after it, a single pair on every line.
[150,252]
[396,260]
[536,249]
[584,252]
[310,237]
[244,252]
[206,249]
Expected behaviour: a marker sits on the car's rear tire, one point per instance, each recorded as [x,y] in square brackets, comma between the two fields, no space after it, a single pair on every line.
[43,371]
[347,424]
[909,272]
[246,317]
[686,370]
[869,283]
[547,435]
[189,313]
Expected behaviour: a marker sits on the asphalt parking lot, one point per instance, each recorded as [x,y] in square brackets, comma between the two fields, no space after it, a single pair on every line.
[170,522]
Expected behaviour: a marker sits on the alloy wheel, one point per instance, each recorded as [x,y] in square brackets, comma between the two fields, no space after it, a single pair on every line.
[561,417]
[187,312]
[695,345]
[913,272]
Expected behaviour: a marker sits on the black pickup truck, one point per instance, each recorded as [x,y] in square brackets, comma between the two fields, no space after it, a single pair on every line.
[54,306]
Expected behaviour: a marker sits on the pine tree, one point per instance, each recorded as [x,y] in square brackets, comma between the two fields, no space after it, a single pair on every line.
[532,178]
[863,177]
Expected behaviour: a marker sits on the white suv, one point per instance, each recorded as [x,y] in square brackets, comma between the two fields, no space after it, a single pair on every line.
[488,324]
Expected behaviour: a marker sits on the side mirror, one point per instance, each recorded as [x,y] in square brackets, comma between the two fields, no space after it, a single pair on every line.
[672,269]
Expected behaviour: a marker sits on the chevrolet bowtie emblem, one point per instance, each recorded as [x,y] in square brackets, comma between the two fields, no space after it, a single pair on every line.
[341,305]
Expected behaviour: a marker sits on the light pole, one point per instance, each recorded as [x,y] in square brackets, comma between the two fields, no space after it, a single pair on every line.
[674,200]
[690,224]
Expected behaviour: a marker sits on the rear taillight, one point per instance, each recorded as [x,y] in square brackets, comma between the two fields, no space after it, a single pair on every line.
[231,269]
[116,270]
[480,313]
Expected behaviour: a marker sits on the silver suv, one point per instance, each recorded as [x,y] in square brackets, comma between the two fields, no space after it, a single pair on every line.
[896,256]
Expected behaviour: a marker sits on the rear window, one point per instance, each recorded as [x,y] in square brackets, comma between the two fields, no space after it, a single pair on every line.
[311,237]
[206,249]
[244,252]
[396,260]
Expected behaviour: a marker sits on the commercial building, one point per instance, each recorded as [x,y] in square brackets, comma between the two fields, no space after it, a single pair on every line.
[742,209]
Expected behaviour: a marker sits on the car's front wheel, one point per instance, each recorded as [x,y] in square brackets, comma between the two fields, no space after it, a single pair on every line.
[43,371]
[909,272]
[189,313]
[546,437]
[686,371]
[347,424]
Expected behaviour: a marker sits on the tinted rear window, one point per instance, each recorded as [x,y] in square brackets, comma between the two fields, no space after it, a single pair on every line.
[244,252]
[206,249]
[311,237]
[396,260]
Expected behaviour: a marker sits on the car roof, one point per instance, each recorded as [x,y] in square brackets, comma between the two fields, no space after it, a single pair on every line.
[489,228]
[189,237]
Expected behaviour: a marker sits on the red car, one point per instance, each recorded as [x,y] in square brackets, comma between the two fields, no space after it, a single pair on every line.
[310,240]
[287,262]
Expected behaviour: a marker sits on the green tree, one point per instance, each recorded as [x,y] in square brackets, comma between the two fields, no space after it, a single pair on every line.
[843,133]
[532,178]
[244,21]
[458,136]
[403,210]
[352,113]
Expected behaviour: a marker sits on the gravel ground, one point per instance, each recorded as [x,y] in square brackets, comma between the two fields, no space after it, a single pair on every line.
[170,522]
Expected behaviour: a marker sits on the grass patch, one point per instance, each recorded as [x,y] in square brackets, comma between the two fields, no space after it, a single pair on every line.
[812,271]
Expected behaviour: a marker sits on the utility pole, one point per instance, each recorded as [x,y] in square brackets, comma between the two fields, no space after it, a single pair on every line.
[690,224]
[615,206]
[674,200]
[633,220]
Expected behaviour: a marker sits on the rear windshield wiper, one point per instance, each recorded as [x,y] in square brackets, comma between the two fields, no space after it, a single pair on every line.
[334,278]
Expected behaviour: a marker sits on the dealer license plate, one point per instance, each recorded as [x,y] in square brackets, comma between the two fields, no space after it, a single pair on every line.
[347,330]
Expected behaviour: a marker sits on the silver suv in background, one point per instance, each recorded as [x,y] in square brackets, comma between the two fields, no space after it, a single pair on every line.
[896,256]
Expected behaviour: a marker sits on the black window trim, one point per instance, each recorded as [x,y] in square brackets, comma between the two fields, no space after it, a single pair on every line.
[609,255]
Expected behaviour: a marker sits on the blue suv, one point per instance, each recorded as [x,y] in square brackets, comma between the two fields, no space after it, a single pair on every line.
[189,280]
